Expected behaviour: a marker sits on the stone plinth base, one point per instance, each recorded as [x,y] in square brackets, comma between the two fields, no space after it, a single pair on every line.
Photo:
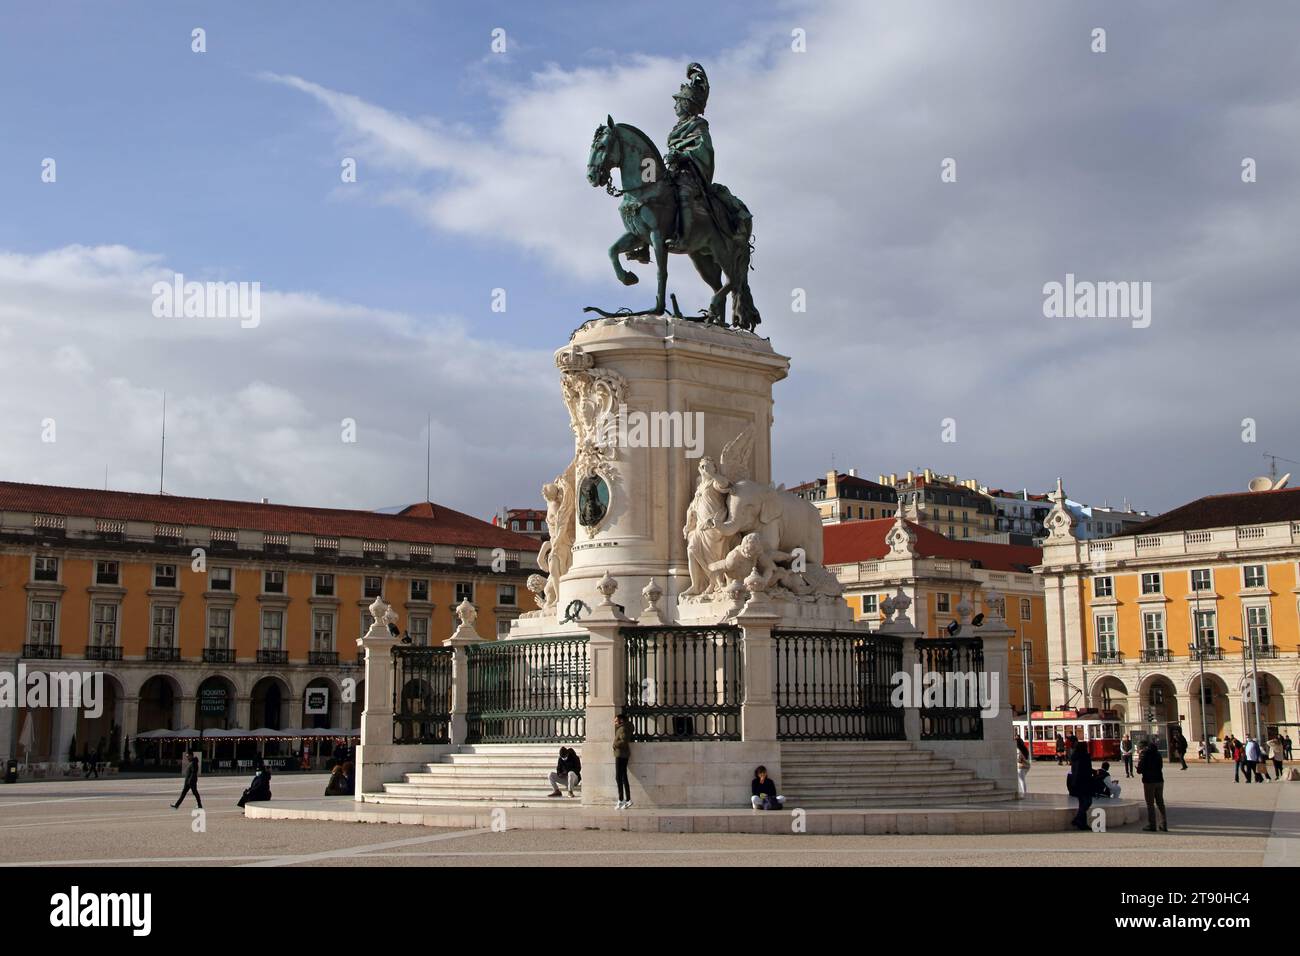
[1036,814]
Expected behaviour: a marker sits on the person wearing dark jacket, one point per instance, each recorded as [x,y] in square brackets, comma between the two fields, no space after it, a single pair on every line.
[191,783]
[1153,785]
[1081,783]
[259,789]
[568,770]
[622,753]
[762,792]
[337,785]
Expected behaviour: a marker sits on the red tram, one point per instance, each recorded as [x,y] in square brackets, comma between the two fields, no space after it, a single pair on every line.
[1101,730]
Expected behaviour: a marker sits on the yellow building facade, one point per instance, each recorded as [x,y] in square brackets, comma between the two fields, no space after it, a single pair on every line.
[1211,587]
[207,614]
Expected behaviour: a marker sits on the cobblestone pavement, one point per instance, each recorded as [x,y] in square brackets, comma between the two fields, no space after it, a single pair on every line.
[127,821]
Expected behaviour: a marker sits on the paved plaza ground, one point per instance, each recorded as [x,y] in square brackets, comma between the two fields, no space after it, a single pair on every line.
[127,821]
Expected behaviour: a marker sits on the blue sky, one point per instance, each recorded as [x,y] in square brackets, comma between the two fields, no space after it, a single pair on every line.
[925,298]
[197,157]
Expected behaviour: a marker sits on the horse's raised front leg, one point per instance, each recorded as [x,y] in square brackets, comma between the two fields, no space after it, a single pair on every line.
[628,242]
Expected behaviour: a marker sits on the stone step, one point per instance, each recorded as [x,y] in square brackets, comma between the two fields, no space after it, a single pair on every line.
[830,764]
[482,760]
[552,750]
[859,773]
[836,789]
[991,796]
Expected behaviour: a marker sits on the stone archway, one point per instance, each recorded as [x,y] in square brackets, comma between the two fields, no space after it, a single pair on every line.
[1110,693]
[103,733]
[1213,701]
[1160,712]
[214,703]
[269,704]
[159,700]
[330,719]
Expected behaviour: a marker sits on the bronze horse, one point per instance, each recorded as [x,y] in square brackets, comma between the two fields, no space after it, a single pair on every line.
[720,243]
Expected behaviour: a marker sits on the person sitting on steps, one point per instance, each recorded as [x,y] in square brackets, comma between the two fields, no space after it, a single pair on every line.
[762,792]
[568,770]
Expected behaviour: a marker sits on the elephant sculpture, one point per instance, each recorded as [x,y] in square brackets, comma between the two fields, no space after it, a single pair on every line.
[783,520]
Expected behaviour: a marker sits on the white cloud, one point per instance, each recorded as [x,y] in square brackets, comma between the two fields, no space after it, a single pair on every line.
[925,298]
[256,412]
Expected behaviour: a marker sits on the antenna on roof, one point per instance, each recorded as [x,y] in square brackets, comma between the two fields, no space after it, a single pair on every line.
[106,476]
[428,453]
[162,452]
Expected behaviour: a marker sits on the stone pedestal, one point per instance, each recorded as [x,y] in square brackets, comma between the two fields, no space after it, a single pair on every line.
[687,383]
[461,640]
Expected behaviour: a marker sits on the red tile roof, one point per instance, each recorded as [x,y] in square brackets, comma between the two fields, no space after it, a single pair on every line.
[844,478]
[1224,511]
[852,541]
[422,523]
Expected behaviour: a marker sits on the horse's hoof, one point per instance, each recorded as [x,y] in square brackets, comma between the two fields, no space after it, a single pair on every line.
[629,278]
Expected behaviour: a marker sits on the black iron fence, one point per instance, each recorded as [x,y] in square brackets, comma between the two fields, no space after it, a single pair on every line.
[684,683]
[950,701]
[532,690]
[834,685]
[421,694]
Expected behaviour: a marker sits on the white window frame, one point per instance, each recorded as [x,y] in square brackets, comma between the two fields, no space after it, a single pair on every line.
[1245,576]
[459,596]
[1110,586]
[229,640]
[1163,643]
[117,573]
[175,576]
[513,595]
[365,586]
[414,582]
[418,625]
[943,603]
[37,559]
[503,627]
[1267,626]
[155,625]
[316,584]
[272,624]
[33,620]
[1198,630]
[1106,638]
[1209,579]
[99,627]
[317,615]
[1159,582]
[1026,609]
[229,580]
[870,603]
[267,582]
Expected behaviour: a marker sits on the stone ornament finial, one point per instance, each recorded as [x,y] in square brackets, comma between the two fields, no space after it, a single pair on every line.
[965,610]
[651,613]
[996,604]
[887,607]
[901,539]
[607,585]
[379,610]
[1060,521]
[467,613]
[901,603]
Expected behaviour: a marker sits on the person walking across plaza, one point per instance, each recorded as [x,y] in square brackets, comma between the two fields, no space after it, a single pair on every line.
[1126,751]
[1252,760]
[1275,754]
[622,753]
[1153,785]
[1238,759]
[1178,748]
[191,782]
[1081,784]
[1286,747]
[1060,750]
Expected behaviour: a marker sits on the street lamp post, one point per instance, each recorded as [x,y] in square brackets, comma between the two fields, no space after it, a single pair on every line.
[1199,650]
[1254,678]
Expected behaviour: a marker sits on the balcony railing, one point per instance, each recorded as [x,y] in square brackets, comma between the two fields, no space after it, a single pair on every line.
[103,652]
[1108,657]
[329,658]
[48,651]
[162,653]
[266,655]
[219,655]
[1210,653]
[1264,652]
[1150,654]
